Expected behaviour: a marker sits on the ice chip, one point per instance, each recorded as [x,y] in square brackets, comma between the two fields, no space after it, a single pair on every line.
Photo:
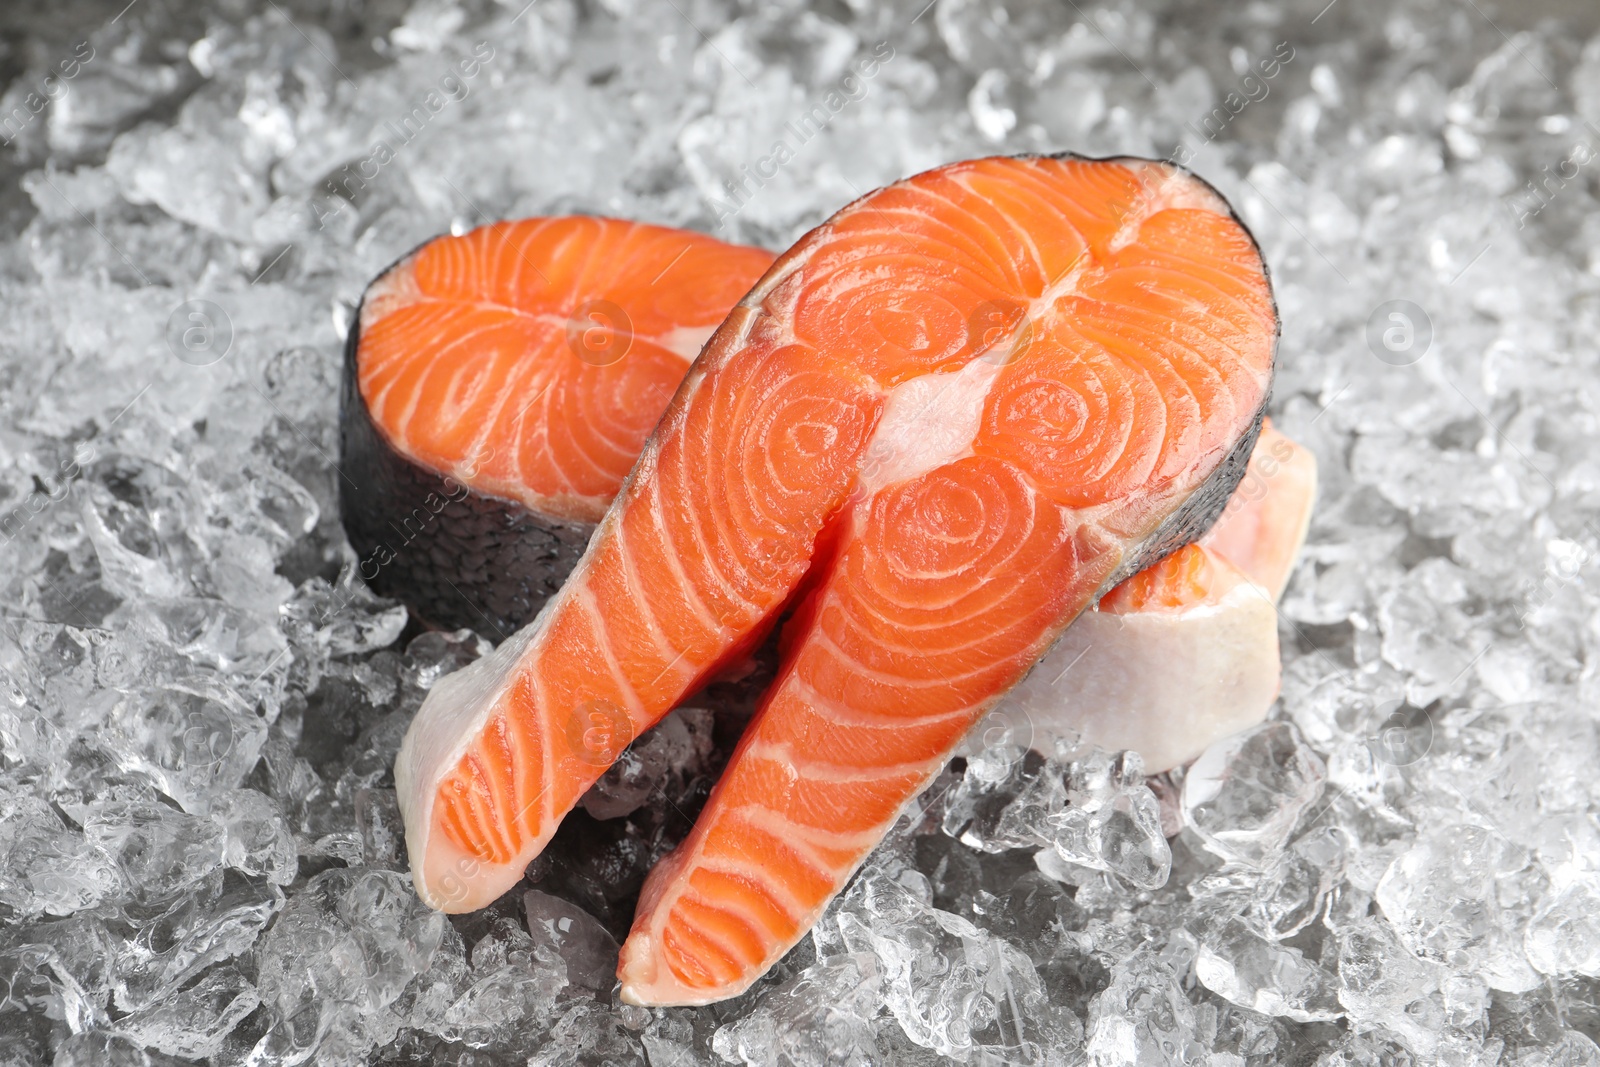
[512,991]
[1270,978]
[1142,1019]
[1563,936]
[671,751]
[984,998]
[338,957]
[257,840]
[983,36]
[1245,793]
[190,175]
[589,952]
[1382,984]
[215,920]
[189,737]
[1111,821]
[996,779]
[160,850]
[822,1017]
[347,618]
[45,868]
[195,1022]
[1092,810]
[1442,897]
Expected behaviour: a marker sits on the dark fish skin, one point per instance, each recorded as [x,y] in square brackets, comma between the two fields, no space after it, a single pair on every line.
[1198,513]
[454,557]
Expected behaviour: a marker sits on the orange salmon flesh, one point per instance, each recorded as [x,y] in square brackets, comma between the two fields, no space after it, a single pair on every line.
[529,360]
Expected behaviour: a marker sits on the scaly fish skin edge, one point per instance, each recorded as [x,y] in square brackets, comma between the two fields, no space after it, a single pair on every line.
[404,521]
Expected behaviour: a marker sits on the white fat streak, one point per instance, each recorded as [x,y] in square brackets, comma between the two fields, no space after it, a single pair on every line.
[932,420]
[397,288]
[1162,189]
[687,341]
[927,422]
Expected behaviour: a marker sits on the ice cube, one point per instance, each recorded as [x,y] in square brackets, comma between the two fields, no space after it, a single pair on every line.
[1382,984]
[587,950]
[953,988]
[257,840]
[160,851]
[1245,794]
[675,749]
[822,1017]
[511,993]
[1442,899]
[1111,822]
[194,1022]
[1563,936]
[1271,978]
[339,956]
[47,868]
[1142,1019]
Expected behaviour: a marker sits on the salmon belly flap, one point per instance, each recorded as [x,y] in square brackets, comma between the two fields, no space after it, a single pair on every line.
[992,391]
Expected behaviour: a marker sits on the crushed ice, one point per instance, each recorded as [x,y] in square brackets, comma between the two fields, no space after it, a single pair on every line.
[200,851]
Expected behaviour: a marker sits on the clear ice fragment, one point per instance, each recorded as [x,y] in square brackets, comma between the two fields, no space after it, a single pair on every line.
[1274,979]
[1245,793]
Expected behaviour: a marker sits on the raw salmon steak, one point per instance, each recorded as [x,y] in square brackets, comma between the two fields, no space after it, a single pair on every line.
[1205,616]
[498,387]
[941,426]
